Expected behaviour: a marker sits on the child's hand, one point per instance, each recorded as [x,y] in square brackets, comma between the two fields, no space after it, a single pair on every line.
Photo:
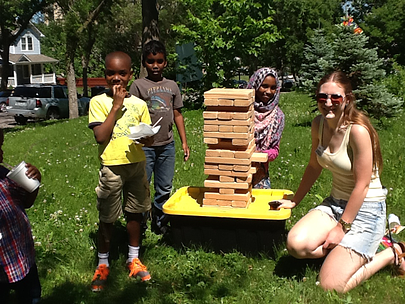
[146,141]
[119,93]
[33,172]
[186,151]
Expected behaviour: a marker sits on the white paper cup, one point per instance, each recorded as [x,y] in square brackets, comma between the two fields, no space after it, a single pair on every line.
[18,175]
[393,221]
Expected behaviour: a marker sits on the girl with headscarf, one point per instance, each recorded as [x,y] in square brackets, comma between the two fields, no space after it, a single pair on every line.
[269,121]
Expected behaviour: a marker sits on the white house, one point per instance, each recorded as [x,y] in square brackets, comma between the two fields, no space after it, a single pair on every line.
[26,61]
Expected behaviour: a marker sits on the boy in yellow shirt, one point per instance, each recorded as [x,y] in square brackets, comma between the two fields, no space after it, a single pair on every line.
[122,172]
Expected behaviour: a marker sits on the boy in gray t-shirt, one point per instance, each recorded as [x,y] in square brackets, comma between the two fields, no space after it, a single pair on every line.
[164,103]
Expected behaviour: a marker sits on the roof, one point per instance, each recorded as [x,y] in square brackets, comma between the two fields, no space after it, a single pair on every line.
[22,58]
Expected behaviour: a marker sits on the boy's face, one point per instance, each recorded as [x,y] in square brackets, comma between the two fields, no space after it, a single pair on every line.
[1,145]
[117,72]
[155,64]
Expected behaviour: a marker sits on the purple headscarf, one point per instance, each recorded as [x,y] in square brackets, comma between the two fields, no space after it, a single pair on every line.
[269,119]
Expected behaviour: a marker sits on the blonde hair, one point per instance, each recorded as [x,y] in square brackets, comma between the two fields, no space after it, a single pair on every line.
[354,116]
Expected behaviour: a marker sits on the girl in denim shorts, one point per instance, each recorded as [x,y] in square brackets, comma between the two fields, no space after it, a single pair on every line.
[347,227]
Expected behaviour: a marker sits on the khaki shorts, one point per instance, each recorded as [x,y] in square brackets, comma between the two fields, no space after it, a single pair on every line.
[127,181]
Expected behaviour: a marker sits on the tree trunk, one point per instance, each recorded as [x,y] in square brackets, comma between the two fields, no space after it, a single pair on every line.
[71,81]
[150,31]
[5,56]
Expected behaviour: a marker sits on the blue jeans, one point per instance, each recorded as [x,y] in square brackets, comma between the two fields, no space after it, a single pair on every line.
[160,161]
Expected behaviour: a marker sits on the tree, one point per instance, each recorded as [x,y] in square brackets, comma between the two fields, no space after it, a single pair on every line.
[15,16]
[303,18]
[227,34]
[350,53]
[150,31]
[384,25]
[78,16]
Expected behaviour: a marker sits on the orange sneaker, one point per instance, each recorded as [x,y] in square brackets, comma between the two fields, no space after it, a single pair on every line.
[137,269]
[100,277]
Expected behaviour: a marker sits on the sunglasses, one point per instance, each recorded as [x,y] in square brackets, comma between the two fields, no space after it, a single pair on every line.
[336,99]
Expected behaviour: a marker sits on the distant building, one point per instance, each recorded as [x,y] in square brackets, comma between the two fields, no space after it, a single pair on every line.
[26,61]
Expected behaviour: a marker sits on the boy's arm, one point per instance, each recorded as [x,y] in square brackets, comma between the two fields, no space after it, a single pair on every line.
[32,172]
[179,121]
[103,132]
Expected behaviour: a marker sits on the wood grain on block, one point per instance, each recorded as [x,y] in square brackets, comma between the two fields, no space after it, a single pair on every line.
[225,116]
[227,179]
[222,128]
[244,136]
[209,171]
[233,122]
[236,197]
[240,204]
[226,191]
[232,109]
[211,167]
[210,101]
[247,179]
[241,141]
[226,144]
[225,160]
[211,141]
[212,153]
[242,102]
[242,116]
[211,128]
[226,153]
[210,115]
[225,102]
[241,168]
[259,157]
[239,129]
[217,184]
[228,92]
[222,202]
[225,167]
[211,202]
[247,153]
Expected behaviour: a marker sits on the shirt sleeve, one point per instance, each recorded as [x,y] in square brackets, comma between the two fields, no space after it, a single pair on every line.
[273,152]
[97,114]
[134,90]
[177,100]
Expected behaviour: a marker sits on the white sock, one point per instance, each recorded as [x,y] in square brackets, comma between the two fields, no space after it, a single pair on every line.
[133,253]
[103,258]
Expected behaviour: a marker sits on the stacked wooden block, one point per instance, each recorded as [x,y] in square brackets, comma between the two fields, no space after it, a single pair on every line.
[229,134]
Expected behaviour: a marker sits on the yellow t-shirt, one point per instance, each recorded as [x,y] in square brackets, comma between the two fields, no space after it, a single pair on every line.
[120,150]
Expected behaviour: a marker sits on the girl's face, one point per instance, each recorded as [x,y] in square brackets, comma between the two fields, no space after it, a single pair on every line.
[267,89]
[334,104]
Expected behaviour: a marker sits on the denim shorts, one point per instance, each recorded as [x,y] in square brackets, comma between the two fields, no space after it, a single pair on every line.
[367,228]
[122,187]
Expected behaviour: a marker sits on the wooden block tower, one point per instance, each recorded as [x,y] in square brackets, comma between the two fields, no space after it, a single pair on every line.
[229,134]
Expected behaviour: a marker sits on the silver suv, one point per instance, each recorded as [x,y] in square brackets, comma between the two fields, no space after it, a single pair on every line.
[42,102]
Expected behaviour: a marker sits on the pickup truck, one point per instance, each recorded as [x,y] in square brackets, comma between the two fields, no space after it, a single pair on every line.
[42,102]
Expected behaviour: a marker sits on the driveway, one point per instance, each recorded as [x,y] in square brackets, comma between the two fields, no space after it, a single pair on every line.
[6,121]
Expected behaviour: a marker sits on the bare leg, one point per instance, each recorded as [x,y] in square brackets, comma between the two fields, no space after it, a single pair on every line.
[134,221]
[356,270]
[104,236]
[306,238]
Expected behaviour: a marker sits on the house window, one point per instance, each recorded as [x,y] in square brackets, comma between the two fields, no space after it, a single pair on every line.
[27,43]
[36,69]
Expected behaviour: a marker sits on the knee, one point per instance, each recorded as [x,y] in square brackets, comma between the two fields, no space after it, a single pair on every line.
[137,217]
[297,245]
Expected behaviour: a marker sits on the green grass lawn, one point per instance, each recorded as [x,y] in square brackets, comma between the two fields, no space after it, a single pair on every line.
[64,222]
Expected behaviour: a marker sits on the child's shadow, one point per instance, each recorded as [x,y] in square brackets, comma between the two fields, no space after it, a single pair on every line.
[289,267]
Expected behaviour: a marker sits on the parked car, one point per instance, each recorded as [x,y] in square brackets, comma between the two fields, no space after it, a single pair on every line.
[3,99]
[42,102]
